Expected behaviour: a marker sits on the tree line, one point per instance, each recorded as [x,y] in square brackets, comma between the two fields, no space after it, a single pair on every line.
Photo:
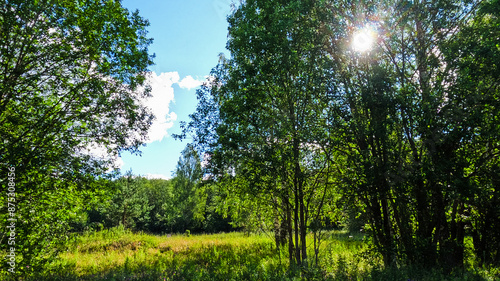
[183,204]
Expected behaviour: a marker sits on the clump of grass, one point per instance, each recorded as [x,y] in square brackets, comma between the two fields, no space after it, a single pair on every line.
[113,239]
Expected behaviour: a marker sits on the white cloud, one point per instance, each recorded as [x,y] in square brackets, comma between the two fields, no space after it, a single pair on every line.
[119,162]
[189,83]
[157,176]
[162,93]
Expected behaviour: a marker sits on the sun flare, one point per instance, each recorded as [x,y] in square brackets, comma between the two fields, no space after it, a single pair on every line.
[364,39]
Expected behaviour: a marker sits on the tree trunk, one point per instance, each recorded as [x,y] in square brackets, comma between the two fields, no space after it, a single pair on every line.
[290,234]
[303,225]
[296,225]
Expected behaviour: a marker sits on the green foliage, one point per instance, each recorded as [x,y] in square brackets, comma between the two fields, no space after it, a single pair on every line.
[186,212]
[159,193]
[72,74]
[297,130]
[477,98]
[421,141]
[178,205]
[300,127]
[262,120]
[129,205]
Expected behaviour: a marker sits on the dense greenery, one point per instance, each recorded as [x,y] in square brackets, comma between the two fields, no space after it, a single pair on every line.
[72,74]
[297,125]
[299,133]
[179,205]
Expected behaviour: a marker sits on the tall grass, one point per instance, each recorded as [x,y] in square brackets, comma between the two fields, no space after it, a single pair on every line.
[118,254]
[121,255]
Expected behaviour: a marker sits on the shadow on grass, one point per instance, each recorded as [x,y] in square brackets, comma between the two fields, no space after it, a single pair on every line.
[344,269]
[414,274]
[227,265]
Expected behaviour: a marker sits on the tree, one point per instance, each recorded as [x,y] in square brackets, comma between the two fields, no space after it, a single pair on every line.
[475,107]
[266,141]
[419,122]
[160,195]
[129,206]
[186,210]
[72,75]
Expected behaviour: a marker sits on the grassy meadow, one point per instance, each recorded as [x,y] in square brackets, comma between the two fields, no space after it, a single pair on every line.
[117,254]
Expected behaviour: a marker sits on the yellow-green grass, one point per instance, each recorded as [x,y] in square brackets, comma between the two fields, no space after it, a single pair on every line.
[117,254]
[113,255]
[121,255]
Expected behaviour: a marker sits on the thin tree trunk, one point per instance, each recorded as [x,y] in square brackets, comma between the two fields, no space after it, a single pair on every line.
[290,234]
[303,229]
[296,225]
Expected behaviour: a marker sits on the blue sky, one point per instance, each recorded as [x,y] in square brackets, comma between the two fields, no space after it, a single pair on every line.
[188,37]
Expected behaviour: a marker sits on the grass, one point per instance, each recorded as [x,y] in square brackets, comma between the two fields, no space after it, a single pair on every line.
[117,254]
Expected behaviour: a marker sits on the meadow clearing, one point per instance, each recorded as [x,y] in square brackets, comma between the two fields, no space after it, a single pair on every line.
[118,254]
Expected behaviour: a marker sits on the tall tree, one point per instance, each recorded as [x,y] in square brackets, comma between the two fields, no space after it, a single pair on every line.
[270,97]
[129,206]
[474,109]
[419,120]
[186,210]
[72,75]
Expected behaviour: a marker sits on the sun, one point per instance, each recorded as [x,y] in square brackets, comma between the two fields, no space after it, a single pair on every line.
[364,39]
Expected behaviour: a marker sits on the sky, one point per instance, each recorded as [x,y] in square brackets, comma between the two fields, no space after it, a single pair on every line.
[188,37]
